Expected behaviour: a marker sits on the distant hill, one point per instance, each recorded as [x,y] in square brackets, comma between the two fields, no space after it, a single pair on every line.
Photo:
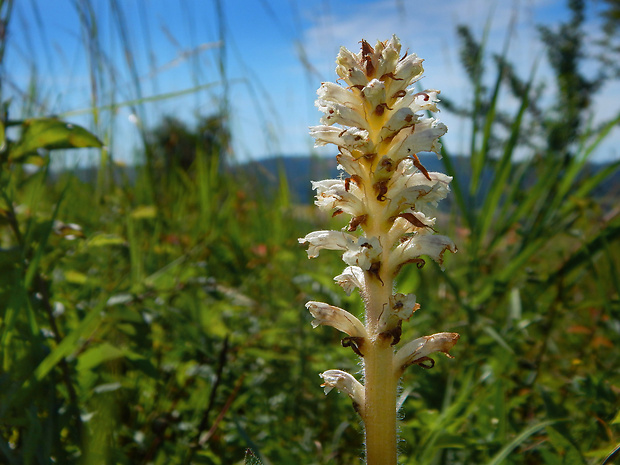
[300,170]
[263,176]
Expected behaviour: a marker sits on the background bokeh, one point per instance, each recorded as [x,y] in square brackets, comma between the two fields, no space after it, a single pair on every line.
[154,179]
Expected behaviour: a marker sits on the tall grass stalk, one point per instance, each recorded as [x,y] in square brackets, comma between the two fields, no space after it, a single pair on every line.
[531,236]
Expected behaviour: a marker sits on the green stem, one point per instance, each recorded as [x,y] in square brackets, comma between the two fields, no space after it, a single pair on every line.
[379,378]
[380,382]
[380,403]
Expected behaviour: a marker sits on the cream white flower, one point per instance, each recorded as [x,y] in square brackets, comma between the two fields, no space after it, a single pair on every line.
[401,307]
[335,194]
[333,240]
[344,382]
[389,53]
[402,118]
[374,93]
[360,251]
[349,68]
[418,350]
[363,253]
[328,315]
[410,221]
[407,71]
[352,277]
[423,137]
[350,138]
[350,163]
[330,92]
[410,188]
[420,243]
[419,102]
[337,113]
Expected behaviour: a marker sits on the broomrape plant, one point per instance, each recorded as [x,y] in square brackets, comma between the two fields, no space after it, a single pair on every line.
[374,121]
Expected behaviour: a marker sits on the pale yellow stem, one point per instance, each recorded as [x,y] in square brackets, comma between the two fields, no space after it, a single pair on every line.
[380,403]
[380,381]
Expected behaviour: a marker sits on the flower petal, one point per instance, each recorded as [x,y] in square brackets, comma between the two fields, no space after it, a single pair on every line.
[389,54]
[418,101]
[423,137]
[411,188]
[408,70]
[360,251]
[332,240]
[334,93]
[349,68]
[363,253]
[374,93]
[401,307]
[416,350]
[409,223]
[350,164]
[333,193]
[351,138]
[328,315]
[421,243]
[343,381]
[338,113]
[352,277]
[400,119]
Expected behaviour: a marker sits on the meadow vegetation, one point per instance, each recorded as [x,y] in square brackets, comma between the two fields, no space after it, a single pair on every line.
[159,318]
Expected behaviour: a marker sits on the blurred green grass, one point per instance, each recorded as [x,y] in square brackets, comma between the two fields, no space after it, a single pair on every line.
[170,326]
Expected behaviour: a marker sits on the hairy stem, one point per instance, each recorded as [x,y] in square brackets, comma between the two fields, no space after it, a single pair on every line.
[380,408]
[379,379]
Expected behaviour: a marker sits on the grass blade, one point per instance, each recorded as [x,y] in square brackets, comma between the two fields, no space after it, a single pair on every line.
[516,442]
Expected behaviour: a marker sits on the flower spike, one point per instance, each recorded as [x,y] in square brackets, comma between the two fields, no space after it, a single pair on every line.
[375,119]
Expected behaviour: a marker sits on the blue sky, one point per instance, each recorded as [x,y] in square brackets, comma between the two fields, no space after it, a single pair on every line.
[275,54]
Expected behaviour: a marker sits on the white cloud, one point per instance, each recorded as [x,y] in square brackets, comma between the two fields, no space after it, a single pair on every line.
[429,30]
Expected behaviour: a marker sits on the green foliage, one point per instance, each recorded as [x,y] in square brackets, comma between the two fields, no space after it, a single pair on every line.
[565,51]
[49,134]
[251,459]
[174,144]
[533,289]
